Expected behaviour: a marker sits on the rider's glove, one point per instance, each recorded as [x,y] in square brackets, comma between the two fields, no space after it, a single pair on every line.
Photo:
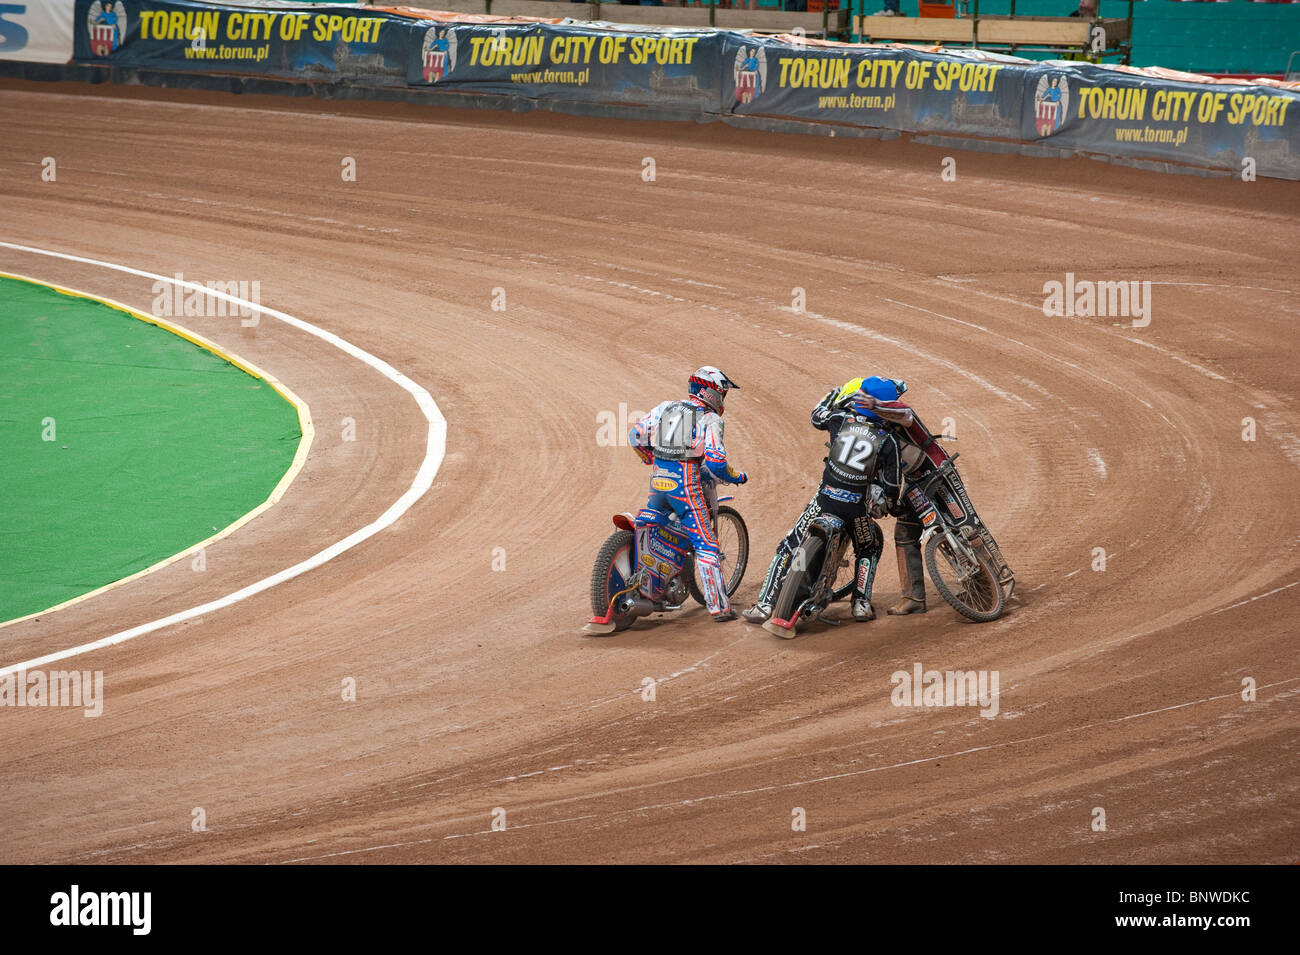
[737,477]
[878,505]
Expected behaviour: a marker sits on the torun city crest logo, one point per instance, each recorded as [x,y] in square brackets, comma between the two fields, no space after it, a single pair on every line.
[750,73]
[1051,103]
[106,27]
[438,53]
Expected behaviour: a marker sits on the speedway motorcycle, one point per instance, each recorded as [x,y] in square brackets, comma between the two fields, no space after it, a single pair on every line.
[626,584]
[961,556]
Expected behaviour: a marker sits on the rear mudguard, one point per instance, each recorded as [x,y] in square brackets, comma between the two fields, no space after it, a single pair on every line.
[826,526]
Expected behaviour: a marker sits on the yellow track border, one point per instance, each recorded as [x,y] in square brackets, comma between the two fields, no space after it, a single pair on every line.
[299,459]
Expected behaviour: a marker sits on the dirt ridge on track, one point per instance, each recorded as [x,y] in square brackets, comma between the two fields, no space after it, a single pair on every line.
[1120,689]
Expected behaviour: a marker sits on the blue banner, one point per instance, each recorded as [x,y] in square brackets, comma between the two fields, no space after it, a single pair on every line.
[1110,111]
[293,42]
[575,62]
[881,87]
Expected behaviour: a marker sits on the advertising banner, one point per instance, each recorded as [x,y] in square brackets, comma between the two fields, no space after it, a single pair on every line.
[36,31]
[980,94]
[297,42]
[1237,127]
[585,62]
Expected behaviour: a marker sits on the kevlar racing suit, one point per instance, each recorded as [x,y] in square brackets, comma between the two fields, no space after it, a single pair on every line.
[861,452]
[919,453]
[682,441]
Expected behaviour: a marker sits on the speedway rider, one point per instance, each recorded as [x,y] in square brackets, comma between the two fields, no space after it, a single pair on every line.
[682,440]
[919,453]
[862,479]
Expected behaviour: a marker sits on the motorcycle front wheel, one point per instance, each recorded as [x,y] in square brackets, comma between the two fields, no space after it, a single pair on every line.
[966,578]
[733,554]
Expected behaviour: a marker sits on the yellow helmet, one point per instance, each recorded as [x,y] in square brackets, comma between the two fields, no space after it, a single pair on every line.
[849,389]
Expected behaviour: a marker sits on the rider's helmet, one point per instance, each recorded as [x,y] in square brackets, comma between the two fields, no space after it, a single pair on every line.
[711,386]
[848,390]
[882,389]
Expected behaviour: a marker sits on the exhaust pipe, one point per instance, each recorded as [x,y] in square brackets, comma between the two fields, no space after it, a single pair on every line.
[636,607]
[624,607]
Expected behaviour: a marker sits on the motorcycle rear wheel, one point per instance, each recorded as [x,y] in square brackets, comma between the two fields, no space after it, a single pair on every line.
[611,573]
[804,566]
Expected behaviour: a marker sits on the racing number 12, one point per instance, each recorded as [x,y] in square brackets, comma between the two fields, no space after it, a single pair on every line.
[854,451]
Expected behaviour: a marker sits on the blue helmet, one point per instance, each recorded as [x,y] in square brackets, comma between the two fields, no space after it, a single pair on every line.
[882,389]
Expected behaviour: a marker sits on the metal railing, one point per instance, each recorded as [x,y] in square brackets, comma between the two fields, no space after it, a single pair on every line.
[710,13]
[1118,42]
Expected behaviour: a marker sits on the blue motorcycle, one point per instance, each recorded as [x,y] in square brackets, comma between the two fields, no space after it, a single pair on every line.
[626,585]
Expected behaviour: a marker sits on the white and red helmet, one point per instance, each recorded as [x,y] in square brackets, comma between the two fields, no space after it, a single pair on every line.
[711,386]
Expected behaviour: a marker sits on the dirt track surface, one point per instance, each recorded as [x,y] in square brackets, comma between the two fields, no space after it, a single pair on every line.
[1120,689]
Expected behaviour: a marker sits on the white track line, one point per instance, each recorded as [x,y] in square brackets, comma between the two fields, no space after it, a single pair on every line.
[1242,603]
[434,452]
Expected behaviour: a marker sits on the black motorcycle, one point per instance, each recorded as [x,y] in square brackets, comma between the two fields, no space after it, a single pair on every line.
[962,558]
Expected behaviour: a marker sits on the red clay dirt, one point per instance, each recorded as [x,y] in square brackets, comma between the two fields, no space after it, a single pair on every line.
[1120,689]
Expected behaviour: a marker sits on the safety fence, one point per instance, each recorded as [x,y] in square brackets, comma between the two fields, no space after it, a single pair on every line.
[967,98]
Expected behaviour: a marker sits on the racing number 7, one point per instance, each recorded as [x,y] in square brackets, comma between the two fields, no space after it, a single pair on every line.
[675,432]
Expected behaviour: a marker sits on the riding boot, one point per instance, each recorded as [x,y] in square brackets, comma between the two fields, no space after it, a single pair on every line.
[910,579]
[862,584]
[715,591]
